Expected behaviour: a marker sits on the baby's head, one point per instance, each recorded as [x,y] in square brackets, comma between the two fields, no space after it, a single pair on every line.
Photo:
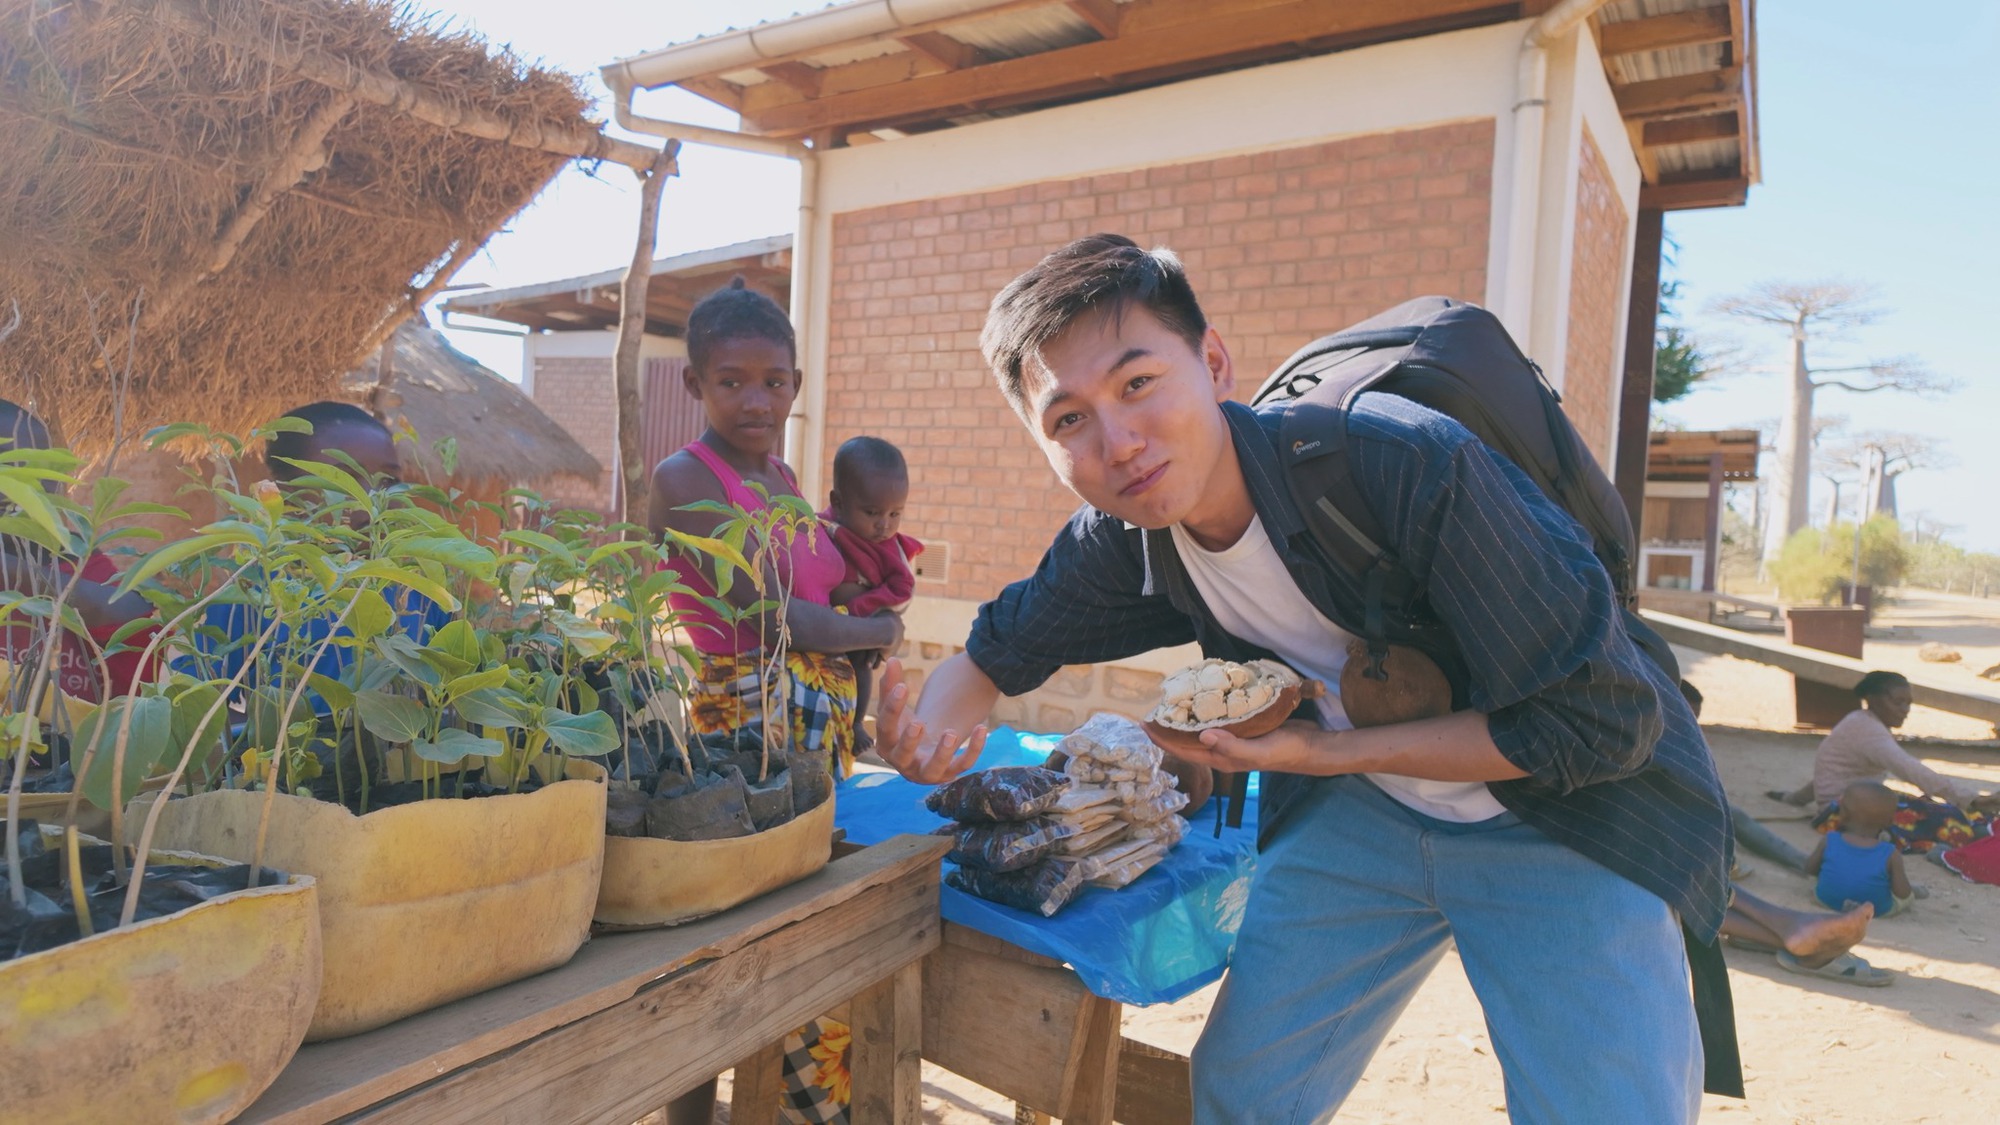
[1867,808]
[871,483]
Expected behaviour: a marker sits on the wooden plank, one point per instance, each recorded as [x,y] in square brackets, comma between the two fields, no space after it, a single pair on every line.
[887,1060]
[1133,52]
[1101,15]
[974,1001]
[1688,195]
[965,937]
[1154,1086]
[757,1084]
[1682,94]
[942,49]
[326,1080]
[1654,33]
[1689,130]
[1820,667]
[620,1063]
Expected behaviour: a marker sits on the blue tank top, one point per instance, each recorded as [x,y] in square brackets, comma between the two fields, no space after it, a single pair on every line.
[1848,872]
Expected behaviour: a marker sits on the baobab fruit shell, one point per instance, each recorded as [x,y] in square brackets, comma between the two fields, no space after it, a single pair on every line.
[1285,689]
[1415,687]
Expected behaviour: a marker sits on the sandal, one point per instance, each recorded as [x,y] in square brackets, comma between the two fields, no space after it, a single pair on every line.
[1846,968]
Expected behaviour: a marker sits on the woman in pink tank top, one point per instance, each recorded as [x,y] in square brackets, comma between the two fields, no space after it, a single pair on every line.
[742,368]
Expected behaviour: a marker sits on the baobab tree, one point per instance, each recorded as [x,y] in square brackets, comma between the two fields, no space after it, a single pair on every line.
[1821,310]
[1879,457]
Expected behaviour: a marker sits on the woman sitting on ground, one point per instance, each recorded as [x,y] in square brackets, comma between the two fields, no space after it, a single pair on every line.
[1860,748]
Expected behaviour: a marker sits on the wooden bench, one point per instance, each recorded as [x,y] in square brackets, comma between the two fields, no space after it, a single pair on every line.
[1820,667]
[1704,605]
[637,1019]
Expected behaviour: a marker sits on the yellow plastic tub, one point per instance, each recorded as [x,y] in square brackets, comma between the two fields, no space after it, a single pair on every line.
[650,882]
[182,1019]
[424,903]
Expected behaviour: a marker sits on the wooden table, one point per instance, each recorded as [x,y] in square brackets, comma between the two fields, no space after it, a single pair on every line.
[637,1019]
[1024,1026]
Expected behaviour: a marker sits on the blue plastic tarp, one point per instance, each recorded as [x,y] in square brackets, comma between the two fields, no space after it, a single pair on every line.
[1168,934]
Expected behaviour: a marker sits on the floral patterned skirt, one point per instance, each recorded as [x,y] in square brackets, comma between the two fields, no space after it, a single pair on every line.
[819,707]
[1921,823]
[818,696]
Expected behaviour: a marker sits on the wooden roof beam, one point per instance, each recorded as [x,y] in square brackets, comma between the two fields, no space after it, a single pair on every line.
[1682,95]
[1102,15]
[1690,130]
[1135,52]
[943,50]
[1656,33]
[805,79]
[1689,195]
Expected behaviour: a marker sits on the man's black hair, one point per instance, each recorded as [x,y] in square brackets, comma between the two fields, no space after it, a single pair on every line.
[736,312]
[1106,273]
[20,426]
[324,417]
[1879,683]
[864,456]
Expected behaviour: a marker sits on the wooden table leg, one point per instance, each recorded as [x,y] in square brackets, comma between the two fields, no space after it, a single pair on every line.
[754,1091]
[886,1053]
[1093,1092]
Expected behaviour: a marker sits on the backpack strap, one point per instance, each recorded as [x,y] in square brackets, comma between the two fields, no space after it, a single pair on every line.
[1314,435]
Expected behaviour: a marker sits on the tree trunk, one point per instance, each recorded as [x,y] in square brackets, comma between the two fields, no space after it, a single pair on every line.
[632,472]
[1791,469]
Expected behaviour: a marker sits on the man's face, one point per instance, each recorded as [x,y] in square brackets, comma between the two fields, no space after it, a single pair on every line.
[1126,413]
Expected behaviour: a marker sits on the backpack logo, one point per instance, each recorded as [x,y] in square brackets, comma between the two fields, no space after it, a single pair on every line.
[1301,447]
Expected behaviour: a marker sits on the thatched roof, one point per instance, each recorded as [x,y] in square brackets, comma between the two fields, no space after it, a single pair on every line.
[437,391]
[235,200]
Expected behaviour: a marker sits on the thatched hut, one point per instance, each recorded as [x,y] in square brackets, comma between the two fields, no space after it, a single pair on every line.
[425,388]
[211,209]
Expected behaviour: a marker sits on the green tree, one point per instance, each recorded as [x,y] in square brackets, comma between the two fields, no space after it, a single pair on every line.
[1678,361]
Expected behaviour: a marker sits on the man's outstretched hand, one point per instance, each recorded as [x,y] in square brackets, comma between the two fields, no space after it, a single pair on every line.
[902,741]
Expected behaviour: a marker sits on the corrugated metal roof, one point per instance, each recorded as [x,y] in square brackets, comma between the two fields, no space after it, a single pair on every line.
[1011,35]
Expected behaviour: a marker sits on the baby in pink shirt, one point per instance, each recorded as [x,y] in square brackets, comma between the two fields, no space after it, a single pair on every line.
[871,483]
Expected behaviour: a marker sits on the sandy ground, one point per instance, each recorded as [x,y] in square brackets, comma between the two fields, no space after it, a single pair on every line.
[1925,1049]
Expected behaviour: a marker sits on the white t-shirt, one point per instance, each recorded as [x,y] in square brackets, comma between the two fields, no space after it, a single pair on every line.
[1252,595]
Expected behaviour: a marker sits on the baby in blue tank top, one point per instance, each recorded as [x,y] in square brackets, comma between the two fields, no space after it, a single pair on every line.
[1855,864]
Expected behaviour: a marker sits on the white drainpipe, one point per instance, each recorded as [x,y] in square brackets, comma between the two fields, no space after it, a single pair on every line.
[1516,267]
[803,425]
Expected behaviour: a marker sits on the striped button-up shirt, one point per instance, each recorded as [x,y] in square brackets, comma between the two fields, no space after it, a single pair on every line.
[1617,767]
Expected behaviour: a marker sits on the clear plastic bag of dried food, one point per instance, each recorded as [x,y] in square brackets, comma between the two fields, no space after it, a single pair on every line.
[1004,793]
[1119,866]
[1114,744]
[1007,845]
[1154,803]
[1044,888]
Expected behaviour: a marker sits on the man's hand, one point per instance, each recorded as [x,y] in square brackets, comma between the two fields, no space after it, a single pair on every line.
[902,741]
[1298,746]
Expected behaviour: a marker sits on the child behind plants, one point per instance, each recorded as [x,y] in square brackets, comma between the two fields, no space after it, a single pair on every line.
[871,483]
[1854,863]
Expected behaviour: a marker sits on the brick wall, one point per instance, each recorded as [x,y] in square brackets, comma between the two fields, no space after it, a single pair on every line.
[1596,297]
[576,393]
[1282,246]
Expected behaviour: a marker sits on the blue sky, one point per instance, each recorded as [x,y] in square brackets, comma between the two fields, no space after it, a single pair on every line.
[1877,126]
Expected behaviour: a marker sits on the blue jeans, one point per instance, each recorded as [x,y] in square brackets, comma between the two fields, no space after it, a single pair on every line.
[1581,973]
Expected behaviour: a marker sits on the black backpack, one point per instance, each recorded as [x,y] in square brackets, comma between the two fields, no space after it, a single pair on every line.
[1459,360]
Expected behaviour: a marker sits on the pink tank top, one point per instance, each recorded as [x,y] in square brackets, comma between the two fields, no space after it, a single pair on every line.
[813,569]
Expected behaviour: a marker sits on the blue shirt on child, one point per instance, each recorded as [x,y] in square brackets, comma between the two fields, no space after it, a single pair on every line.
[1849,873]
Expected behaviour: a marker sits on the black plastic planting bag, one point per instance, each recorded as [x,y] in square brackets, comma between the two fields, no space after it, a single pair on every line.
[1005,793]
[1007,846]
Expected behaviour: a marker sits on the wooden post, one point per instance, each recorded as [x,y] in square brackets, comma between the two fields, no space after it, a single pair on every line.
[754,1091]
[1712,527]
[1635,402]
[886,1051]
[631,333]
